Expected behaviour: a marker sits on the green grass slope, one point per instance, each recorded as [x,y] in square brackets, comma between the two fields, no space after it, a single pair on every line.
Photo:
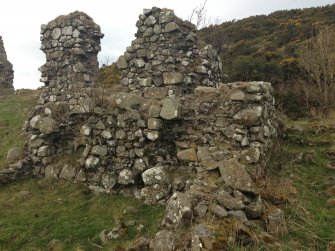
[13,112]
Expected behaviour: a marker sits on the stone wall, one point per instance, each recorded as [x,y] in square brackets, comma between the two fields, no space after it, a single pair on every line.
[6,72]
[174,135]
[167,53]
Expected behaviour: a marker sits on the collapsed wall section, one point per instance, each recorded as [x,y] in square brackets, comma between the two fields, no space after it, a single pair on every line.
[6,72]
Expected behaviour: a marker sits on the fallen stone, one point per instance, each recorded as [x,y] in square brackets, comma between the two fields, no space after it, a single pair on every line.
[164,241]
[219,211]
[228,201]
[178,212]
[202,238]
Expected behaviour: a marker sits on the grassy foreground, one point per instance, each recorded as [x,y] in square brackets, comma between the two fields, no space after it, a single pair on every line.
[301,174]
[46,215]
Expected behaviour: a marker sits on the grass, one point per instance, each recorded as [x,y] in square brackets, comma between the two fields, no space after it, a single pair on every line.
[34,212]
[13,112]
[311,224]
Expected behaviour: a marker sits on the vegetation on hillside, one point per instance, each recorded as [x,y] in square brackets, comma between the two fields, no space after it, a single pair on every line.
[14,111]
[265,48]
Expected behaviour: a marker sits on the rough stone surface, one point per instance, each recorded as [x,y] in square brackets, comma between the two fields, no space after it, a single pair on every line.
[14,154]
[164,241]
[178,212]
[235,175]
[6,72]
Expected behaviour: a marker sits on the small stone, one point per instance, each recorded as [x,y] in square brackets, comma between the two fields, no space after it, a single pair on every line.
[165,17]
[120,134]
[155,175]
[188,155]
[108,181]
[44,151]
[170,27]
[56,33]
[155,124]
[170,109]
[99,150]
[151,135]
[34,122]
[238,215]
[106,134]
[126,177]
[85,130]
[145,82]
[48,125]
[92,162]
[249,116]
[202,238]
[201,69]
[237,95]
[121,63]
[154,111]
[150,21]
[68,172]
[164,241]
[219,211]
[139,63]
[228,201]
[172,78]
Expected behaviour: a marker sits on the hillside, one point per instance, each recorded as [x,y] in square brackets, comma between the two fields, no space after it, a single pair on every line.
[266,47]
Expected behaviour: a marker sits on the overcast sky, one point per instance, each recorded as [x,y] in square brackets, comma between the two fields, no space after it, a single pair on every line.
[20,23]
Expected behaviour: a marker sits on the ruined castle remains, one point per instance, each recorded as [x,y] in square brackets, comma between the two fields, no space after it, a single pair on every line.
[175,134]
[6,72]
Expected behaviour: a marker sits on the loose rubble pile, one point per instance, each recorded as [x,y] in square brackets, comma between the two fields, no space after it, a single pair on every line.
[6,72]
[174,135]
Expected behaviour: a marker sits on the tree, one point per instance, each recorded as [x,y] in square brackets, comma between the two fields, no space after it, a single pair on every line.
[317,59]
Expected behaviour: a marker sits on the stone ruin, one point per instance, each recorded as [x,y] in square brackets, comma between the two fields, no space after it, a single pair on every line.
[174,135]
[6,72]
